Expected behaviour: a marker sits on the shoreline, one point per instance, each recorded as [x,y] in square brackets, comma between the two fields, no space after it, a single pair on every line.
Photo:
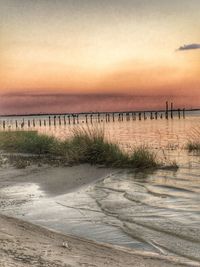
[25,244]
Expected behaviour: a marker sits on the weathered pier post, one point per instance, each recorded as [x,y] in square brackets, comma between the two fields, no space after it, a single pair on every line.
[179,113]
[86,118]
[69,119]
[91,118]
[167,110]
[139,115]
[113,116]
[40,122]
[77,118]
[184,113]
[74,117]
[108,117]
[29,123]
[4,124]
[59,119]
[16,124]
[172,110]
[151,116]
[144,116]
[45,123]
[64,120]
[122,116]
[33,122]
[98,117]
[119,117]
[49,121]
[22,124]
[156,115]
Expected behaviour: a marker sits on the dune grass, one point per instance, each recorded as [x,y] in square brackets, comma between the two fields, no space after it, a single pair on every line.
[27,142]
[193,146]
[85,146]
[193,143]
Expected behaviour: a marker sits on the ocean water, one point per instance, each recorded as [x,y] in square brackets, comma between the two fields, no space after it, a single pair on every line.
[155,212]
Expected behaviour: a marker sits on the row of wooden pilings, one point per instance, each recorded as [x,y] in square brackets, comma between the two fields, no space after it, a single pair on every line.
[93,117]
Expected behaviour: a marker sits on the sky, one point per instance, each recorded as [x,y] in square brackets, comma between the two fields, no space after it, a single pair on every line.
[92,55]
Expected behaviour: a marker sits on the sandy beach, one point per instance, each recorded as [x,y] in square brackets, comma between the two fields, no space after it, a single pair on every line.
[25,244]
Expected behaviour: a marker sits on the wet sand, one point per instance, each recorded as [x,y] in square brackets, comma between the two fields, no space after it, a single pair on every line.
[25,244]
[53,180]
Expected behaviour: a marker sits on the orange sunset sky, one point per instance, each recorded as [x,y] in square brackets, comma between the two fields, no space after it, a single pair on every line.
[93,55]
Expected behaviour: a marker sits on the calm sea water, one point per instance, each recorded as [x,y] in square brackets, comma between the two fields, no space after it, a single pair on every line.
[157,134]
[157,212]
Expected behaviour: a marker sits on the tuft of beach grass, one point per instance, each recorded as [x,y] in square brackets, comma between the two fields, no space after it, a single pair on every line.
[87,145]
[193,143]
[27,142]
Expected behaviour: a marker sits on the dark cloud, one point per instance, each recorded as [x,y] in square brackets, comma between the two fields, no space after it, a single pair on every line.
[29,103]
[189,47]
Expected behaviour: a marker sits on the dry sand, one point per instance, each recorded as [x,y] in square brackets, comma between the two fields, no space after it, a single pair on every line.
[24,244]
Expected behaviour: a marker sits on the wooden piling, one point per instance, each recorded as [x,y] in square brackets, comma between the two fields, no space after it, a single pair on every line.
[184,113]
[108,117]
[16,124]
[22,124]
[40,123]
[156,115]
[113,117]
[64,120]
[69,119]
[74,118]
[119,117]
[86,118]
[29,123]
[91,118]
[4,124]
[172,110]
[54,120]
[49,121]
[167,110]
[127,116]
[59,119]
[139,116]
[33,122]
[179,113]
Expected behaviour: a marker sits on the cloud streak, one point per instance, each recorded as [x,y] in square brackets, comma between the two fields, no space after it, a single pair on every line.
[189,47]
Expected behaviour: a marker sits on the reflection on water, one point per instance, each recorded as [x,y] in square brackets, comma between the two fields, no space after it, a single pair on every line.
[159,133]
[157,212]
[161,209]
